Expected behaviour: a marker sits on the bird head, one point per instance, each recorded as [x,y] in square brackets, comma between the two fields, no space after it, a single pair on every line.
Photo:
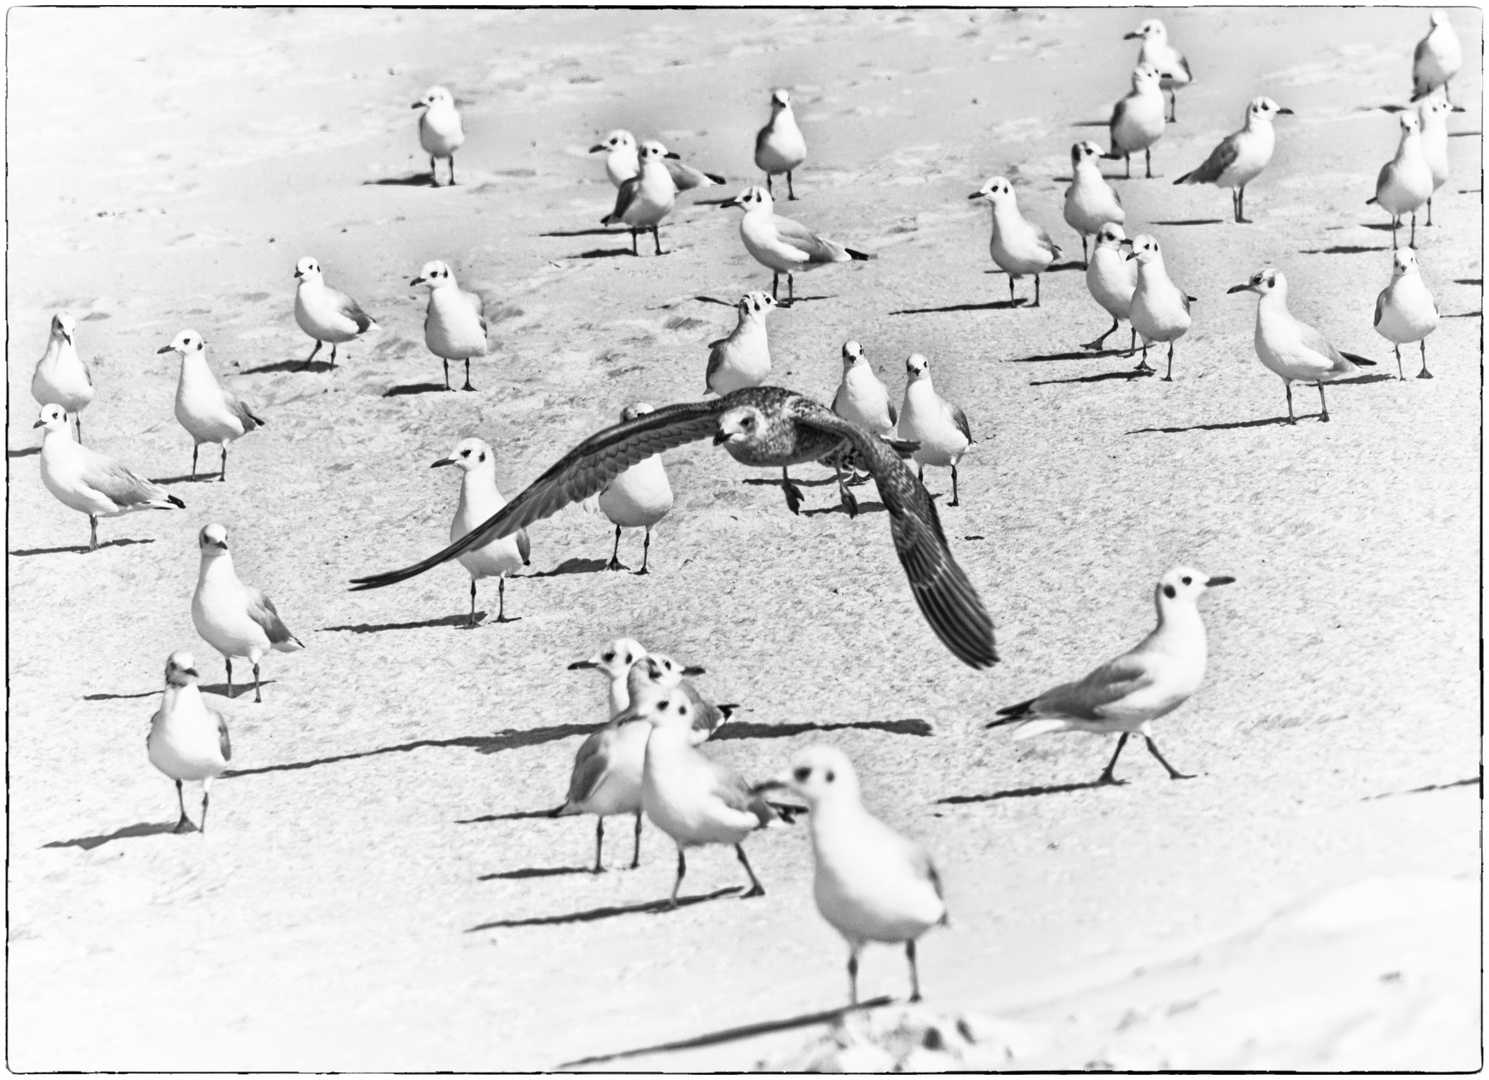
[917,367]
[1434,106]
[619,139]
[180,669]
[468,456]
[1145,250]
[1085,150]
[818,774]
[852,354]
[52,417]
[1111,235]
[756,305]
[1404,262]
[212,540]
[631,412]
[651,150]
[1409,122]
[1145,74]
[1262,282]
[751,198]
[186,343]
[996,191]
[435,274]
[615,659]
[1264,108]
[1152,30]
[780,99]
[433,97]
[670,708]
[740,426]
[307,269]
[1439,18]
[64,326]
[1183,585]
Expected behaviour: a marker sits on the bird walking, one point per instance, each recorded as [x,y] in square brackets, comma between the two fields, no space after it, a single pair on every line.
[89,482]
[870,883]
[61,377]
[479,499]
[1090,202]
[1018,246]
[1111,279]
[780,146]
[1173,68]
[743,358]
[636,499]
[1405,182]
[209,411]
[1404,310]
[324,313]
[188,741]
[937,425]
[782,245]
[1160,309]
[1137,120]
[234,618]
[1437,58]
[1433,114]
[454,321]
[646,198]
[440,130]
[1129,692]
[1291,349]
[1240,157]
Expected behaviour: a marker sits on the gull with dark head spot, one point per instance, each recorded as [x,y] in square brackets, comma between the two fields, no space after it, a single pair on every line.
[1090,202]
[61,377]
[1137,120]
[785,246]
[938,426]
[646,198]
[622,162]
[209,411]
[1240,157]
[1111,279]
[440,131]
[1404,310]
[234,618]
[326,314]
[454,321]
[1160,309]
[1433,112]
[188,741]
[743,358]
[479,499]
[1019,247]
[614,662]
[638,498]
[862,397]
[1173,69]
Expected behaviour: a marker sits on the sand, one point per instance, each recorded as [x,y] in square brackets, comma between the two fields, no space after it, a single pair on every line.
[373,892]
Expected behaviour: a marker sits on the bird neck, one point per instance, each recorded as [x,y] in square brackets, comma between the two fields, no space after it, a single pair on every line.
[219,568]
[1179,621]
[184,697]
[54,437]
[1410,144]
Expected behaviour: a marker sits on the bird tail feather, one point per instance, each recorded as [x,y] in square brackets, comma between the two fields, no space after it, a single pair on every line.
[1042,726]
[859,256]
[1360,360]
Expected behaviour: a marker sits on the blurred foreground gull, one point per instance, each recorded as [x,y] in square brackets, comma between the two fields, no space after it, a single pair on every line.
[1128,693]
[187,740]
[440,132]
[1405,182]
[326,314]
[779,145]
[454,321]
[636,499]
[89,482]
[479,499]
[61,377]
[1090,202]
[1292,349]
[233,618]
[622,163]
[646,198]
[1111,279]
[1018,246]
[765,427]
[782,245]
[1240,158]
[209,411]
[743,358]
[1137,120]
[1173,69]
[862,398]
[1437,58]
[871,883]
[1404,310]
[939,426]
[1160,309]
[1433,115]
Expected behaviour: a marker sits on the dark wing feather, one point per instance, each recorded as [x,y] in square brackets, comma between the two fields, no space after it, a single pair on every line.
[959,418]
[591,763]
[223,742]
[1220,159]
[623,199]
[1380,304]
[580,473]
[524,547]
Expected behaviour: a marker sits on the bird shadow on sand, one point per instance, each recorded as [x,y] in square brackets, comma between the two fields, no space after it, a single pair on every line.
[1194,221]
[187,478]
[239,689]
[759,481]
[27,452]
[611,253]
[992,305]
[88,843]
[1464,134]
[419,179]
[1468,281]
[315,366]
[1092,123]
[1361,380]
[119,697]
[78,549]
[423,624]
[515,815]
[651,907]
[839,508]
[1070,264]
[1467,781]
[1271,421]
[793,301]
[746,1031]
[416,388]
[575,565]
[534,872]
[712,300]
[1465,315]
[579,232]
[1103,376]
[1078,354]
[1343,249]
[1021,793]
[743,729]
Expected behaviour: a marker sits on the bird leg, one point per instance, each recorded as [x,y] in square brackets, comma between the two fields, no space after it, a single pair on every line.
[77,418]
[1036,290]
[1399,373]
[1429,210]
[793,493]
[1424,373]
[1011,300]
[636,855]
[599,845]
[452,168]
[228,660]
[1131,341]
[1129,166]
[645,551]
[1085,259]
[1173,773]
[205,785]
[850,503]
[312,355]
[914,972]
[184,825]
[852,977]
[633,243]
[1106,776]
[1170,376]
[501,600]
[1291,419]
[195,447]
[1413,228]
[1148,162]
[1324,416]
[657,237]
[756,889]
[467,385]
[92,532]
[472,620]
[615,563]
[682,868]
[1173,106]
[433,172]
[1395,224]
[775,283]
[333,355]
[446,362]
[790,288]
[222,466]
[768,190]
[790,189]
[1099,342]
[955,498]
[258,698]
[1142,365]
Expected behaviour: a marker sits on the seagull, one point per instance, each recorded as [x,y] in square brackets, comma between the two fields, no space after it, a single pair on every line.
[927,418]
[765,427]
[862,398]
[645,199]
[622,163]
[187,740]
[614,662]
[1433,114]
[1111,279]
[89,482]
[1160,309]
[1241,157]
[1173,69]
[454,322]
[440,133]
[326,314]
[1405,182]
[1129,692]
[1437,58]
[1018,246]
[209,411]
[783,245]
[657,673]
[693,800]
[1137,120]
[779,145]
[1404,310]
[636,499]
[743,358]
[235,619]
[1090,202]
[1292,349]
[479,499]
[871,883]
[61,377]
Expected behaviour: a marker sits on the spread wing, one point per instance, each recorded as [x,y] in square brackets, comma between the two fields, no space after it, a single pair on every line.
[1220,159]
[1086,698]
[580,473]
[945,596]
[261,610]
[106,476]
[348,307]
[816,248]
[223,742]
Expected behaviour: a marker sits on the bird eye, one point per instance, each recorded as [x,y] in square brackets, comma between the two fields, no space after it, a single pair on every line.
[829,777]
[1187,579]
[609,656]
[465,453]
[801,774]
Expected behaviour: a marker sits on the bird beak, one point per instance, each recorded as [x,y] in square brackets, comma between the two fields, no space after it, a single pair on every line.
[1238,288]
[580,665]
[443,461]
[1129,37]
[1457,108]
[598,149]
[720,438]
[1130,256]
[694,669]
[39,423]
[673,156]
[298,274]
[728,202]
[417,105]
[975,195]
[417,281]
[1285,112]
[192,672]
[1220,580]
[773,784]
[1126,241]
[164,349]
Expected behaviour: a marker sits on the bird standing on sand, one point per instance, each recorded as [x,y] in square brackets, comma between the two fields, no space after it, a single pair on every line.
[1240,157]
[622,162]
[782,245]
[1437,58]
[209,411]
[1405,182]
[479,499]
[1404,310]
[1129,692]
[779,145]
[61,377]
[1137,120]
[646,198]
[1018,246]
[440,132]
[1090,202]
[743,358]
[1433,115]
[89,482]
[454,321]
[1111,278]
[636,499]
[1173,69]
[235,619]
[187,741]
[870,883]
[326,314]
[862,398]
[1160,309]
[1293,349]
[938,426]
[614,662]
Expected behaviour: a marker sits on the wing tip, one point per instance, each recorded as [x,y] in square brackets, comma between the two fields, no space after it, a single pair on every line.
[177,503]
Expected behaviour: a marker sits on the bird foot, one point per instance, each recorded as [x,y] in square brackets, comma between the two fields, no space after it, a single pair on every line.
[184,826]
[1108,778]
[857,480]
[616,564]
[754,891]
[1094,346]
[1324,419]
[793,497]
[1182,775]
[955,502]
[636,862]
[850,504]
[1167,378]
[1244,221]
[507,618]
[597,869]
[467,386]
[643,572]
[1425,374]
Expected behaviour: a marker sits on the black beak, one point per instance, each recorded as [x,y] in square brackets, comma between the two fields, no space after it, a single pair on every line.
[298,274]
[720,438]
[164,349]
[1130,257]
[417,105]
[975,195]
[39,423]
[1222,579]
[443,461]
[1129,37]
[580,665]
[1457,108]
[1238,288]
[728,203]
[674,157]
[417,281]
[694,669]
[597,149]
[1285,112]
[1126,241]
